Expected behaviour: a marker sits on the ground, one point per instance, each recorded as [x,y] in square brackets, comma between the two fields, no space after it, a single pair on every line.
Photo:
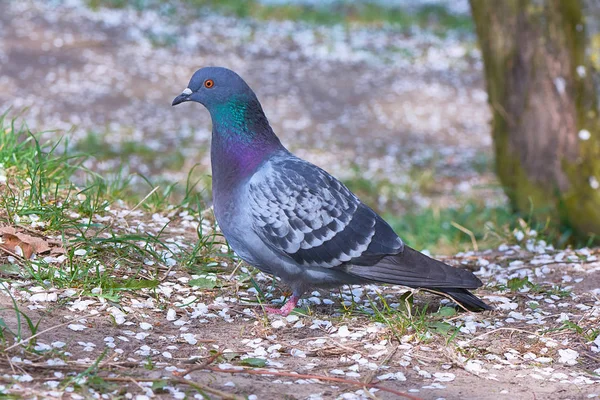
[131,296]
[145,342]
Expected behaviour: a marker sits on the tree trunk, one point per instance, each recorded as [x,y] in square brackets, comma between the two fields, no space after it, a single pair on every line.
[540,68]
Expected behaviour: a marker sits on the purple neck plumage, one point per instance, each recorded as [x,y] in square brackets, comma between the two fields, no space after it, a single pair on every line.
[242,138]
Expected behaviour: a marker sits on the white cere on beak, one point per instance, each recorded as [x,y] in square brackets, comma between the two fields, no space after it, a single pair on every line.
[187,91]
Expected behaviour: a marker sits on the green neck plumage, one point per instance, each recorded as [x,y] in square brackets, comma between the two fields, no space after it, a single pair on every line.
[240,126]
[237,119]
[242,138]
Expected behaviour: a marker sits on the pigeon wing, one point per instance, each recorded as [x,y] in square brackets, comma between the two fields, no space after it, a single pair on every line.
[303,212]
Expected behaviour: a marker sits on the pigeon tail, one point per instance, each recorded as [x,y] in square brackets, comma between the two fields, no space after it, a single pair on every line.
[414,269]
[464,298]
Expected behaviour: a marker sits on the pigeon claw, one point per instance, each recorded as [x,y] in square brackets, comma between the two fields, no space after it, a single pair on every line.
[286,309]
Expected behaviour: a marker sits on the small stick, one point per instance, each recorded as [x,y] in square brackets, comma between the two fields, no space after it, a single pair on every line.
[205,364]
[12,253]
[198,386]
[468,232]
[234,270]
[48,330]
[502,329]
[12,367]
[369,394]
[136,383]
[371,374]
[319,377]
[141,202]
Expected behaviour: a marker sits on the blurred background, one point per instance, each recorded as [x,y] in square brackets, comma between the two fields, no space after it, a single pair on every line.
[387,95]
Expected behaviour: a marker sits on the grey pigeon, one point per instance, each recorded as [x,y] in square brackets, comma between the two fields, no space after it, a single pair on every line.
[290,218]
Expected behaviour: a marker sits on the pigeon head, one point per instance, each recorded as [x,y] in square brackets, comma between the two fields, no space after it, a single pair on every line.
[242,136]
[214,87]
[233,106]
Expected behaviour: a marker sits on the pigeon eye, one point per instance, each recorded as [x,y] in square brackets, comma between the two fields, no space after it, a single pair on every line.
[209,83]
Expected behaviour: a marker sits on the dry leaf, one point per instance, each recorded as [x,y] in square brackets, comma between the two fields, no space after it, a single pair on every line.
[57,251]
[39,245]
[7,229]
[28,245]
[12,243]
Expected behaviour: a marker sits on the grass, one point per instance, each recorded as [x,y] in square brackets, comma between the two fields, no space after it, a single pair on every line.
[433,228]
[129,150]
[22,321]
[407,318]
[588,334]
[470,223]
[440,229]
[41,176]
[434,18]
[104,258]
[130,185]
[100,257]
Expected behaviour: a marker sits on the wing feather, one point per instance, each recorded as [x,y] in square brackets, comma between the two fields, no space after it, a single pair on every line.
[303,212]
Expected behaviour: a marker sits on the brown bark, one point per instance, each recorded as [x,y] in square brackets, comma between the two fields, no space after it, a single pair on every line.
[541,92]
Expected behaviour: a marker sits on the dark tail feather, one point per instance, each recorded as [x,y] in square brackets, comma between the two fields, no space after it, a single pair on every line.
[465,299]
[414,269]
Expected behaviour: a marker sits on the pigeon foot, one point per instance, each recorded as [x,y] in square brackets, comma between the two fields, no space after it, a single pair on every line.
[286,309]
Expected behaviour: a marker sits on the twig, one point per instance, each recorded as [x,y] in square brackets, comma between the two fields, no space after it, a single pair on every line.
[9,379]
[12,253]
[468,232]
[369,394]
[423,359]
[136,383]
[341,346]
[141,202]
[135,380]
[205,364]
[12,367]
[371,374]
[592,357]
[234,270]
[198,386]
[501,329]
[318,377]
[49,329]
[164,278]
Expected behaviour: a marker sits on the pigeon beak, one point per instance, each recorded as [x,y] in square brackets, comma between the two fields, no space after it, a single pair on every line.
[183,97]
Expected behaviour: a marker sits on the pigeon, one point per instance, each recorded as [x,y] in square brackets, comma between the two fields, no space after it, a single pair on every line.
[289,218]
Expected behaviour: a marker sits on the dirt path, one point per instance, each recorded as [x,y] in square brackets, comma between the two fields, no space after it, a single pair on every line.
[538,343]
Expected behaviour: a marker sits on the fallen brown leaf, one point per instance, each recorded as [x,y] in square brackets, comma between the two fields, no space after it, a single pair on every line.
[57,251]
[7,229]
[29,245]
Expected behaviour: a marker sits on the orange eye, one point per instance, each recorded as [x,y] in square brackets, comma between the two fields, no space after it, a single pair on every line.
[209,83]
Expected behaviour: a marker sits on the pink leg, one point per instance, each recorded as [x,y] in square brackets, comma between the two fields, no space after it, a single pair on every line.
[287,308]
